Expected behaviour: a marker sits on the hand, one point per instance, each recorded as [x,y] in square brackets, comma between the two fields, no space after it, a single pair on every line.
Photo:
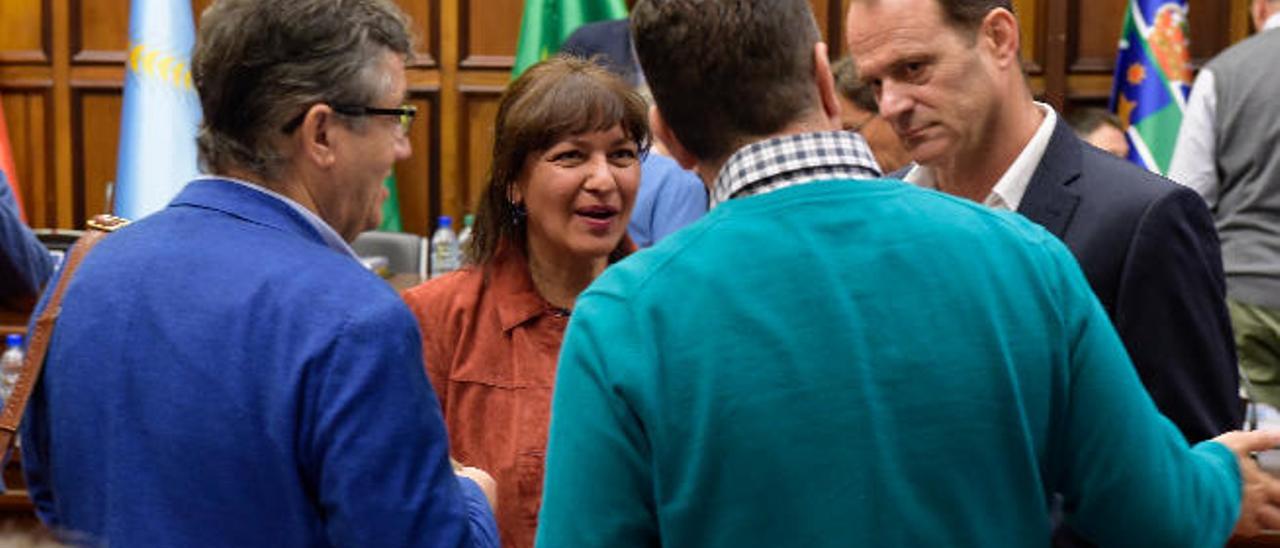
[1260,492]
[484,480]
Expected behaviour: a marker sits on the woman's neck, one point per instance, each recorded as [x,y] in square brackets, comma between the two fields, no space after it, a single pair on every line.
[561,281]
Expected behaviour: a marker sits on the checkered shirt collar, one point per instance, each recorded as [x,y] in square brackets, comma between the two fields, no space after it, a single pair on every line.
[791,160]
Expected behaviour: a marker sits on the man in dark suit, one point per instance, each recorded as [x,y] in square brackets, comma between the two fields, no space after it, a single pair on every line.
[948,78]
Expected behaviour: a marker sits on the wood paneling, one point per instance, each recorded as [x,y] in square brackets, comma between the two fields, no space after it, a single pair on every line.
[424,17]
[97,123]
[24,32]
[491,30]
[99,30]
[61,73]
[1030,17]
[480,103]
[26,113]
[418,178]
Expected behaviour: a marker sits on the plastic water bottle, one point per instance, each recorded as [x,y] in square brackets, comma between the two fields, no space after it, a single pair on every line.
[10,365]
[444,248]
[464,237]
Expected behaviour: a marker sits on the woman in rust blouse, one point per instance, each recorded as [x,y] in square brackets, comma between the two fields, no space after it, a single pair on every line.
[565,169]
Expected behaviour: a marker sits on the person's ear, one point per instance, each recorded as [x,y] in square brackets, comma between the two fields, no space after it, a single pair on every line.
[999,34]
[662,132]
[826,83]
[316,135]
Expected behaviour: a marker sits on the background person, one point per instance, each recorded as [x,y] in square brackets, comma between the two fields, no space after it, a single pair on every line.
[1228,150]
[566,164]
[225,372]
[827,361]
[1100,128]
[860,113]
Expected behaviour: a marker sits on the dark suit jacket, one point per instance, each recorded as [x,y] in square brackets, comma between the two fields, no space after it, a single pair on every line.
[1150,251]
[611,41]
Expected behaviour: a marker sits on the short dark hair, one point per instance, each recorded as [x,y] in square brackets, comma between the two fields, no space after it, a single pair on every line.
[557,98]
[967,15]
[852,87]
[724,71]
[1085,120]
[964,15]
[258,63]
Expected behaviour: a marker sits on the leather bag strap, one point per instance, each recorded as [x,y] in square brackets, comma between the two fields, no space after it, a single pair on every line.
[15,407]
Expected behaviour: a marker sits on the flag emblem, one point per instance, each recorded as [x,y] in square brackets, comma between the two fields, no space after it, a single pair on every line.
[1152,79]
[161,113]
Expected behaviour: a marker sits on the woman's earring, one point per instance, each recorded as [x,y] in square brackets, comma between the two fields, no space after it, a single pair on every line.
[518,213]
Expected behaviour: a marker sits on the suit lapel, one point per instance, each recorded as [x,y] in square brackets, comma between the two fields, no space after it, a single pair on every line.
[1050,201]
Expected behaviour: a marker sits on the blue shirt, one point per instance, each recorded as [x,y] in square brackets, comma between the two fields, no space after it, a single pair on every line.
[220,376]
[669,198]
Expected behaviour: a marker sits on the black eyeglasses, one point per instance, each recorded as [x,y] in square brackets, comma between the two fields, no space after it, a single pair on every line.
[405,113]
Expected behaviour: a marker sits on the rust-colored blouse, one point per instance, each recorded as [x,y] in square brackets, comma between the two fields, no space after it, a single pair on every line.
[490,348]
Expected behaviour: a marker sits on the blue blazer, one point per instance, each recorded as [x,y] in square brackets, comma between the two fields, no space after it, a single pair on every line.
[25,264]
[220,377]
[1150,251]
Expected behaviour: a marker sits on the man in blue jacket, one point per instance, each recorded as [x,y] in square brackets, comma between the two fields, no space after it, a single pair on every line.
[225,372]
[24,262]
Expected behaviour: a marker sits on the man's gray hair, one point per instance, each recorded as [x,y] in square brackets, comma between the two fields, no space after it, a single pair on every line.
[260,64]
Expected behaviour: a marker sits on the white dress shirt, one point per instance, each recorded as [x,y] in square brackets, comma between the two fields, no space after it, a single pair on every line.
[1008,191]
[1194,156]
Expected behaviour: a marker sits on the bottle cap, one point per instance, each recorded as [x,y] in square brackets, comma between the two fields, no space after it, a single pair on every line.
[445,221]
[13,339]
[469,219]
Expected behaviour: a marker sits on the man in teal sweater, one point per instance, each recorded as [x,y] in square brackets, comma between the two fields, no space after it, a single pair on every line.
[827,360]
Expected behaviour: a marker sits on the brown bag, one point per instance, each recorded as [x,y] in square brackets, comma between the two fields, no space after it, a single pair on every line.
[16,405]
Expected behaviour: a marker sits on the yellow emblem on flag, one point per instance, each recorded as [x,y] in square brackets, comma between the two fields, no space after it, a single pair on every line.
[160,67]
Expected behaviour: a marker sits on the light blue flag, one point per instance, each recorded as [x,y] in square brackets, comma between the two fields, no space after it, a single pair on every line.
[161,115]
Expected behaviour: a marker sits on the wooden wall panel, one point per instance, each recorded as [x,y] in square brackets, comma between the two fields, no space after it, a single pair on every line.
[24,32]
[417,178]
[97,123]
[61,72]
[26,112]
[491,31]
[99,31]
[1211,26]
[1095,44]
[1033,33]
[424,18]
[481,106]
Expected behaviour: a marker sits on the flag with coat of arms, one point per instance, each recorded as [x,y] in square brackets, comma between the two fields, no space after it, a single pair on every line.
[1152,79]
[161,114]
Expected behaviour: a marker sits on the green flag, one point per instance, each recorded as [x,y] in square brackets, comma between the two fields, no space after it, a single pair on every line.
[547,23]
[1152,79]
[391,207]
